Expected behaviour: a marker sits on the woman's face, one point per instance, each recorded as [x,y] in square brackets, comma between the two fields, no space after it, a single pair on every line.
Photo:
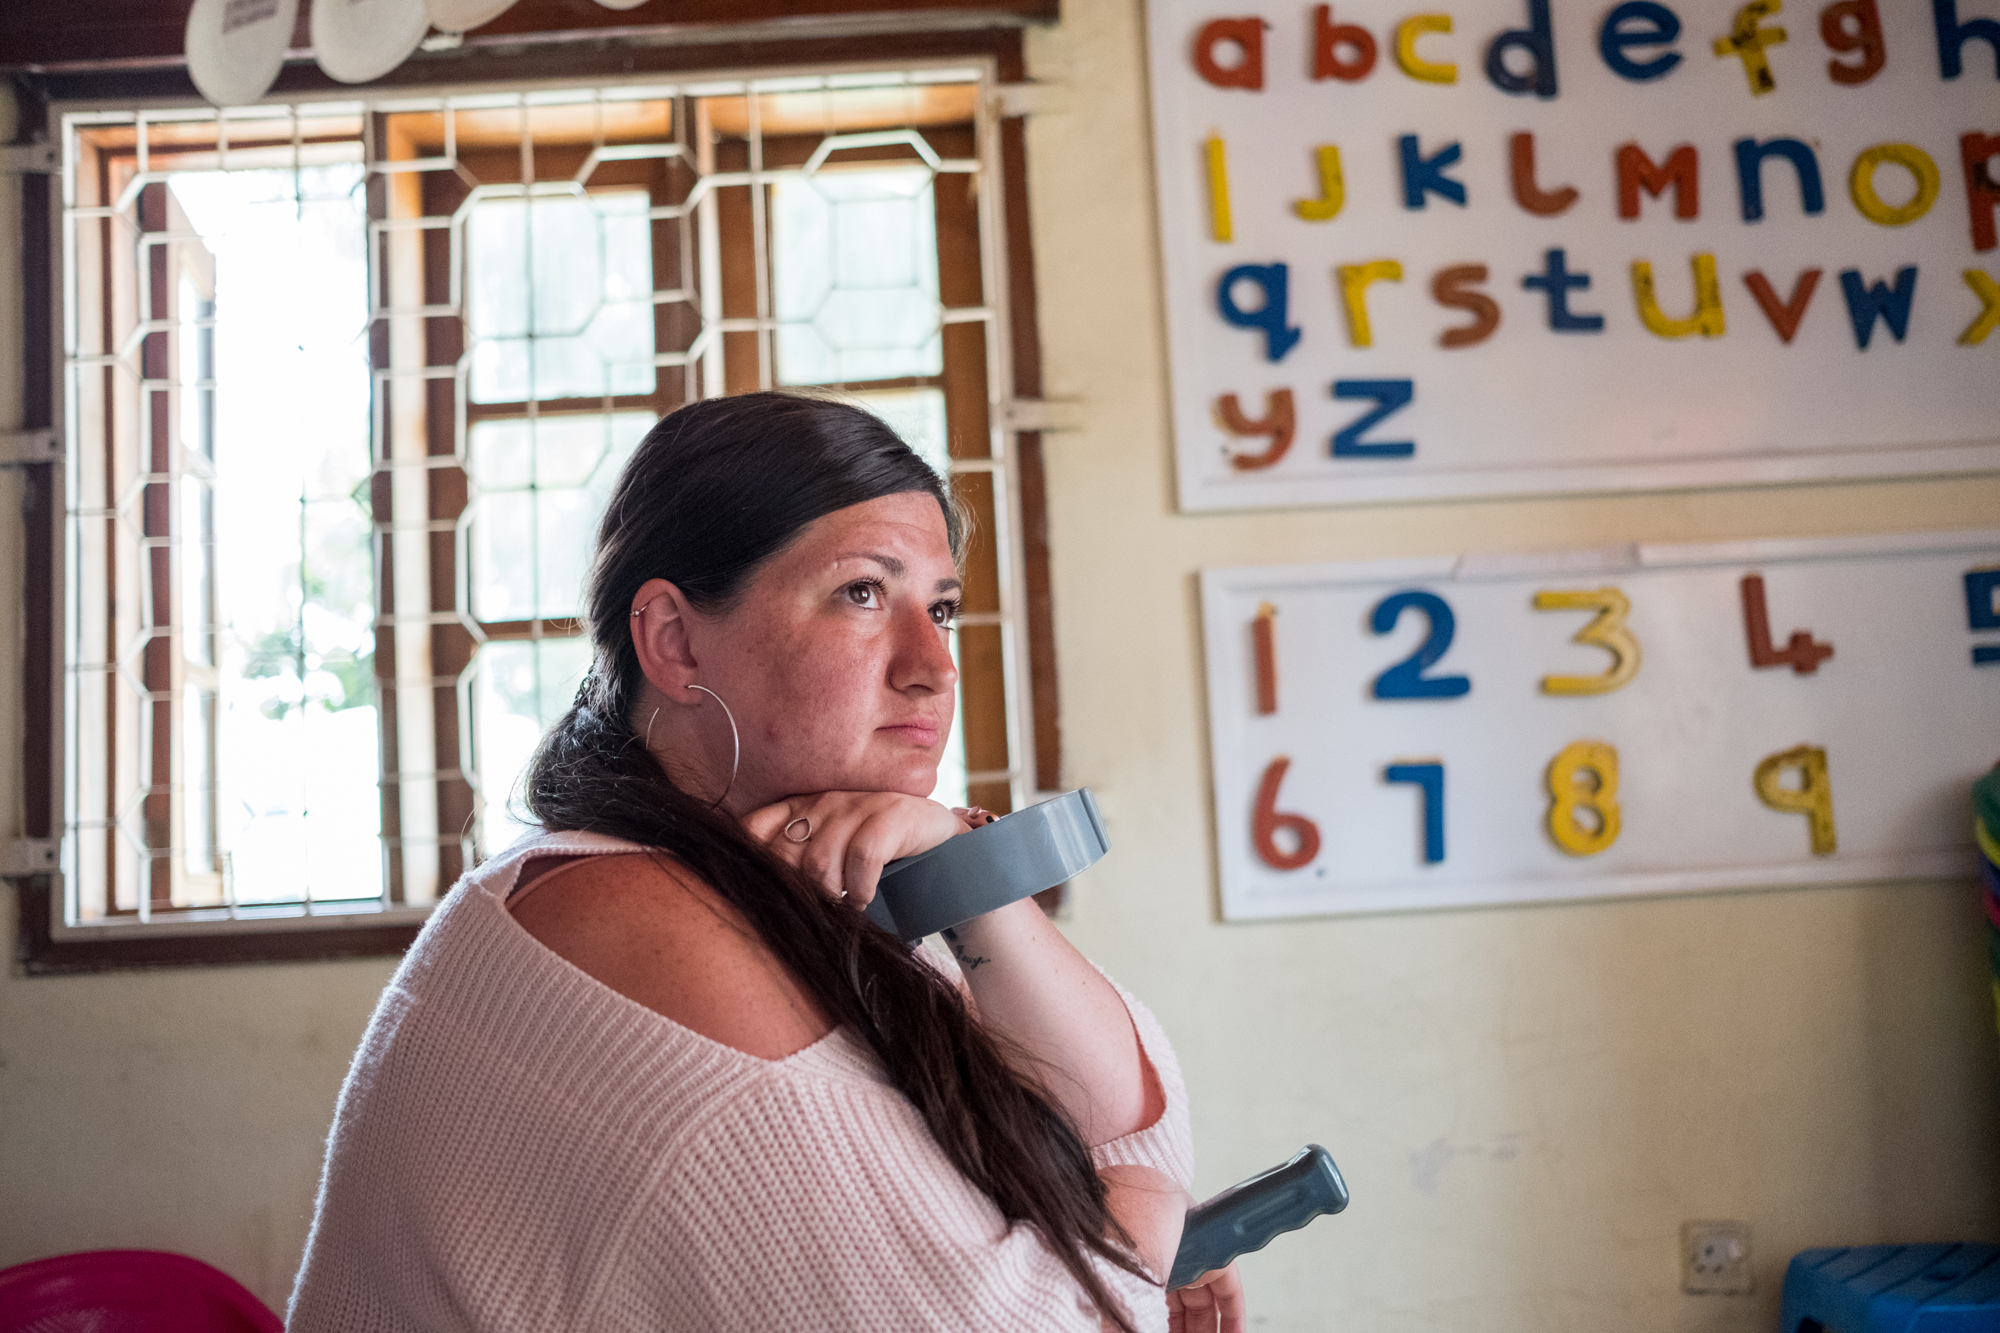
[836,660]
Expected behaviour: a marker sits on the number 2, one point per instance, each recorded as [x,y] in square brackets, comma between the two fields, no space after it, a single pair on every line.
[1406,679]
[1607,631]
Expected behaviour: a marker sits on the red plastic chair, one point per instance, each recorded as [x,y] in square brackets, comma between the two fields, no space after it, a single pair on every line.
[128,1291]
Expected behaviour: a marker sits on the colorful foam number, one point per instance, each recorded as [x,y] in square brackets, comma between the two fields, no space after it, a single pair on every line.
[1802,654]
[1267,822]
[1583,777]
[1406,679]
[1264,644]
[1607,630]
[1428,776]
[1982,612]
[1813,797]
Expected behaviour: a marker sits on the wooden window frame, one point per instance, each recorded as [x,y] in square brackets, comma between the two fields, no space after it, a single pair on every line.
[46,944]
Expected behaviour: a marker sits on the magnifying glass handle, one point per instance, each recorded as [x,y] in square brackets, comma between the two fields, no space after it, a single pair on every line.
[1251,1215]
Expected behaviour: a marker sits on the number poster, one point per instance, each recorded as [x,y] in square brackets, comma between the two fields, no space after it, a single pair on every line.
[1549,245]
[1433,733]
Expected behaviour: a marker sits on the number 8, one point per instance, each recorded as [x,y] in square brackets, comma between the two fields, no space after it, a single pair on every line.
[1568,795]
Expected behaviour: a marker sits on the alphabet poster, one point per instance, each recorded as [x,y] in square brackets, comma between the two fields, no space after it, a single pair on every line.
[1551,245]
[1660,719]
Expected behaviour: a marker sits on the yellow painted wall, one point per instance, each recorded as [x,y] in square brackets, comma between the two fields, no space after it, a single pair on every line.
[1527,1102]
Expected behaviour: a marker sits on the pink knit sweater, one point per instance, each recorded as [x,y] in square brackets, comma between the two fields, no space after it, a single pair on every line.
[518,1146]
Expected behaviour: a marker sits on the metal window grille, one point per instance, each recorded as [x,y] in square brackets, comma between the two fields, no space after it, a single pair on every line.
[346,383]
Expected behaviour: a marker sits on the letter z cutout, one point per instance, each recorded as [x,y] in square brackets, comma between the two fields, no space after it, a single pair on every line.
[1389,396]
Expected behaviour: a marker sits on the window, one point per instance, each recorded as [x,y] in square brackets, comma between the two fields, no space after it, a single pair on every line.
[347,385]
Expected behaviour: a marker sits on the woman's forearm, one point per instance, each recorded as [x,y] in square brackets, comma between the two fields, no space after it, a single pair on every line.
[1032,987]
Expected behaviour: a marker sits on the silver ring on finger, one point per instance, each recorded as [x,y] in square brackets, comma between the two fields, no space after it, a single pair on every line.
[803,837]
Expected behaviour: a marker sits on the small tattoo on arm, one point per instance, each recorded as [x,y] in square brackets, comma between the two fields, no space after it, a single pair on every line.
[966,960]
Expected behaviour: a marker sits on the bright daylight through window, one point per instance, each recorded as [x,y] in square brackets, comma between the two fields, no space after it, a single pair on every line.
[350,384]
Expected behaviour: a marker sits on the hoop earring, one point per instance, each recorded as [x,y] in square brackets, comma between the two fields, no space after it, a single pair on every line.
[649,727]
[735,740]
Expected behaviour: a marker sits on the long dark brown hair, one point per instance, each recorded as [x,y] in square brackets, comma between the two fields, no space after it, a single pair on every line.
[714,490]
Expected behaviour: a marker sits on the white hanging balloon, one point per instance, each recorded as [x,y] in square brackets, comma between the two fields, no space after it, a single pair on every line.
[235,48]
[358,40]
[464,15]
[621,4]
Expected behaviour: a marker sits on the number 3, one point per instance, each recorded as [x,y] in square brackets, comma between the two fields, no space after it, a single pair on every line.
[1608,631]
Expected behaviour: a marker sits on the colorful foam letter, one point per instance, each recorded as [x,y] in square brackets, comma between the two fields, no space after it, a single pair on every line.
[1274,281]
[1576,764]
[1421,174]
[1277,425]
[1266,822]
[1219,225]
[1414,65]
[1982,189]
[1639,23]
[1748,41]
[1861,183]
[1707,317]
[1448,286]
[1606,630]
[1864,36]
[1247,36]
[1559,282]
[1354,282]
[1681,170]
[1388,396]
[1263,640]
[1784,315]
[1801,653]
[1329,37]
[1952,36]
[1529,195]
[1429,776]
[1750,157]
[1988,292]
[1332,189]
[1813,797]
[1539,41]
[1864,304]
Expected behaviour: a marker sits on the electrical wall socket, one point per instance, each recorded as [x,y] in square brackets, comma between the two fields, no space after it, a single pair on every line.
[1715,1257]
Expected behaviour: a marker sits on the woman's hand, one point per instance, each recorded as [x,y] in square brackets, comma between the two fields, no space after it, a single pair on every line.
[844,838]
[1212,1302]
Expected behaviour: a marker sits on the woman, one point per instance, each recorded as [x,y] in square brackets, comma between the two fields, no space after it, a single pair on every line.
[653,1068]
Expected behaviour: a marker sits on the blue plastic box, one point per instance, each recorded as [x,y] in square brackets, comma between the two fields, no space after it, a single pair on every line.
[1894,1289]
